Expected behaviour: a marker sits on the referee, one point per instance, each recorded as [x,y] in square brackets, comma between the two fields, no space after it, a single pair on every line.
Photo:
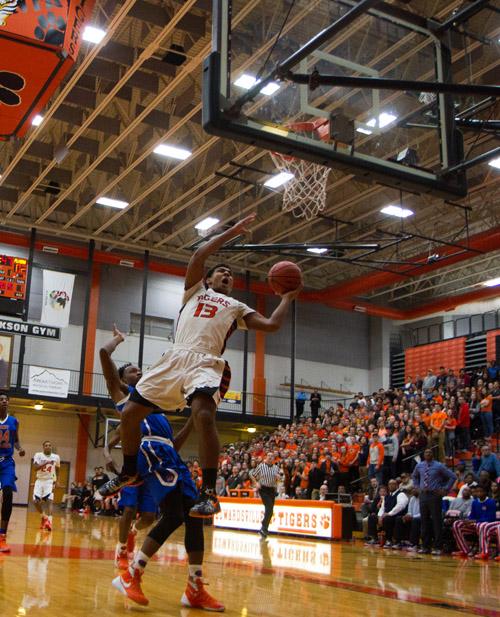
[264,478]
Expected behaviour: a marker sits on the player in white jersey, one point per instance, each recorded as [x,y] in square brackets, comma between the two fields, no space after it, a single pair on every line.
[46,464]
[191,372]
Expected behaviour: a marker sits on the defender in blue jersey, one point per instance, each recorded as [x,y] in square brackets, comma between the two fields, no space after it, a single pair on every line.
[9,441]
[132,499]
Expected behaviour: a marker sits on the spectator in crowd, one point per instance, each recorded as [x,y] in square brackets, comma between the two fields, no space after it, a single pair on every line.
[433,480]
[460,507]
[441,378]
[489,463]
[300,401]
[315,403]
[482,514]
[316,477]
[438,420]
[391,450]
[373,518]
[463,425]
[449,428]
[407,526]
[486,406]
[429,384]
[376,459]
[323,492]
[394,504]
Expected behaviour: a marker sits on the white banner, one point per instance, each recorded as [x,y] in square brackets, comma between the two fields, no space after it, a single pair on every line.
[311,521]
[56,299]
[49,382]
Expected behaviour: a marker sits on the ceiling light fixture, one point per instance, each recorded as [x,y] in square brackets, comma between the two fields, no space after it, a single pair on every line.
[495,162]
[172,152]
[206,223]
[384,120]
[251,429]
[246,82]
[91,34]
[112,203]
[37,120]
[318,251]
[38,406]
[492,282]
[401,213]
[278,179]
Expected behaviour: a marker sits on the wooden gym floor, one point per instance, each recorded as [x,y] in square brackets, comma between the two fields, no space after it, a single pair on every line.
[69,572]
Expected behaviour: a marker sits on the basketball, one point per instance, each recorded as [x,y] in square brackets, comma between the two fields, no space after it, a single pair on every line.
[284,276]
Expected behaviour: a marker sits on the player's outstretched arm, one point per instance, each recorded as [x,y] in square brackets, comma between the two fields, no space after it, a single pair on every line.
[17,444]
[183,434]
[256,321]
[116,388]
[196,266]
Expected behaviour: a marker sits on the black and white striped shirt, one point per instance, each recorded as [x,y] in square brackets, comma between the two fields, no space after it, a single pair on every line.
[266,475]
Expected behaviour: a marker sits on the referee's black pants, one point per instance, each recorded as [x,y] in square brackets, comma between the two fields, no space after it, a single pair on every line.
[268,495]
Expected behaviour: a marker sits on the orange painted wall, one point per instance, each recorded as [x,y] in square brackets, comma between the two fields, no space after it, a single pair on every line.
[450,354]
[491,344]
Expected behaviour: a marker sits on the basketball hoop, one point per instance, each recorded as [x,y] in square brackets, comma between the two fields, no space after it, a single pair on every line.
[305,194]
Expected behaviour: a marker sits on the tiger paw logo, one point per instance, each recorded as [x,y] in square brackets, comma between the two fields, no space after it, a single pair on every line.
[324,521]
[51,29]
[7,8]
[10,85]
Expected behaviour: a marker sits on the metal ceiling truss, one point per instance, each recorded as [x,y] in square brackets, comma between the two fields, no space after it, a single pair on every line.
[123,99]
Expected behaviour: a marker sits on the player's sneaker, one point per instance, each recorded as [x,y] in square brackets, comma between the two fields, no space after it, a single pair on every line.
[4,547]
[206,506]
[459,554]
[47,525]
[114,485]
[130,585]
[121,558]
[42,522]
[196,596]
[482,556]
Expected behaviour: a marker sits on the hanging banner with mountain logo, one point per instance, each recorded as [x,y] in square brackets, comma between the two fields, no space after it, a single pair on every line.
[57,296]
[49,382]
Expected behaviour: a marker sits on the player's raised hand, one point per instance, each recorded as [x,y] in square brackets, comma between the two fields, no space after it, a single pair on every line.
[242,227]
[292,295]
[117,334]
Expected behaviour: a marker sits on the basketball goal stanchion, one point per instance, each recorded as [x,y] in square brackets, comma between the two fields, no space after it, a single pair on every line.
[305,194]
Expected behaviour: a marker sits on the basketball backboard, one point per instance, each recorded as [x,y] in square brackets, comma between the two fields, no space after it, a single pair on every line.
[394,134]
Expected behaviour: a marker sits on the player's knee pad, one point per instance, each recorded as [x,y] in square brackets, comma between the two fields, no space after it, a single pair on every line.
[167,524]
[194,539]
[7,496]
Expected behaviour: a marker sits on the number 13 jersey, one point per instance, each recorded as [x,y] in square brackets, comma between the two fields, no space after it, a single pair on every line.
[208,319]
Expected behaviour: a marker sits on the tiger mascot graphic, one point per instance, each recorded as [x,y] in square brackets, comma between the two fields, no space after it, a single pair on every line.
[7,8]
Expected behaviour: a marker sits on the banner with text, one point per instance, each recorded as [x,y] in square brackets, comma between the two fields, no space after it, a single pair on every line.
[56,299]
[49,382]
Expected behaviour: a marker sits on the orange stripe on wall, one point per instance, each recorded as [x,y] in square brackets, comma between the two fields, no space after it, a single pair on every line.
[91,329]
[259,381]
[82,445]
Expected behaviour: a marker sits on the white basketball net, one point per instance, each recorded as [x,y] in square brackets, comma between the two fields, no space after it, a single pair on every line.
[305,194]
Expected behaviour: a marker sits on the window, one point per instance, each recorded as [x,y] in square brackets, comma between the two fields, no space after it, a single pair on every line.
[153,326]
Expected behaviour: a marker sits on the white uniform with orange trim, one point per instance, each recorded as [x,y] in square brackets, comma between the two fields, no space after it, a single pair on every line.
[46,475]
[207,319]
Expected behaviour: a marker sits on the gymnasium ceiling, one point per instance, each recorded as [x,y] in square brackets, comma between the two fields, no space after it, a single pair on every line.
[122,99]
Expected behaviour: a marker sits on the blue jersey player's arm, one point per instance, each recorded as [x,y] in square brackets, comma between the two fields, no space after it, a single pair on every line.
[17,443]
[183,434]
[116,388]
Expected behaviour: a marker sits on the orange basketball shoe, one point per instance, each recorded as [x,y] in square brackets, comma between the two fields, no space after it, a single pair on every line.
[121,558]
[4,547]
[196,596]
[130,585]
[47,525]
